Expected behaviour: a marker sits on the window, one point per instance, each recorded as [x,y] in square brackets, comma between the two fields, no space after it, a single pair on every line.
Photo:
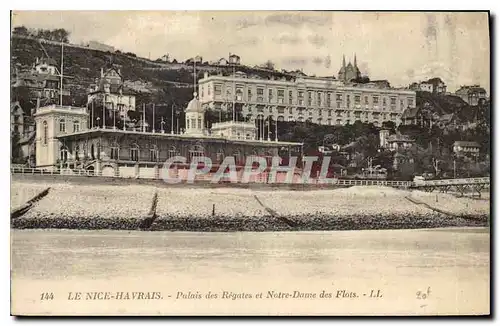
[319,100]
[290,97]
[187,121]
[357,99]
[339,113]
[153,154]
[239,94]
[270,95]
[134,153]
[208,90]
[384,103]
[249,95]
[62,125]
[260,95]
[196,151]
[76,126]
[310,113]
[401,104]
[339,121]
[366,100]
[393,101]
[320,112]
[172,152]
[219,156]
[357,115]
[329,113]
[45,132]
[410,102]
[229,93]
[218,90]
[270,109]
[281,96]
[114,151]
[338,105]
[375,100]
[310,98]
[301,97]
[281,110]
[199,123]
[290,110]
[339,97]
[63,154]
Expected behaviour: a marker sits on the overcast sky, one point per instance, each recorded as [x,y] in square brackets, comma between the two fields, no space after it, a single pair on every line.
[400,47]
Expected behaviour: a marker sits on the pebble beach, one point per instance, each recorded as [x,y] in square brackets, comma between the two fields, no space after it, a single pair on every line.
[124,207]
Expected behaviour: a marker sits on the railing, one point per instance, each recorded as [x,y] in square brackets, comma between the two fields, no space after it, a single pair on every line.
[77,172]
[451,182]
[262,178]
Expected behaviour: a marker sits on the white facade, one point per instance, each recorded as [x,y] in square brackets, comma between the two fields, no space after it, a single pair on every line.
[318,100]
[234,130]
[51,122]
[195,117]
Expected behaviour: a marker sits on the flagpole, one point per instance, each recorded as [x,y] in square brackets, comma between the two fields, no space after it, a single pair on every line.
[104,111]
[153,118]
[114,117]
[92,115]
[172,122]
[234,94]
[62,67]
[143,117]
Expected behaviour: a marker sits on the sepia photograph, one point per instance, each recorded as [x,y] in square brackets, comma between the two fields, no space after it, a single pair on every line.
[250,163]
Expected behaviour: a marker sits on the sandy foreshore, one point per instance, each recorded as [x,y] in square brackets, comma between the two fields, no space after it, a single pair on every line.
[127,207]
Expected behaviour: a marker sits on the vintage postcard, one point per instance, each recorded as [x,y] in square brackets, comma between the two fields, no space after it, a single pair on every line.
[262,163]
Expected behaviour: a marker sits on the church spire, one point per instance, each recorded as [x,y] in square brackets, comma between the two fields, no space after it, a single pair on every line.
[343,61]
[355,64]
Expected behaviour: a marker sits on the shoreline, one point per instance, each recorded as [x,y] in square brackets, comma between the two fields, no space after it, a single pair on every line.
[253,224]
[149,208]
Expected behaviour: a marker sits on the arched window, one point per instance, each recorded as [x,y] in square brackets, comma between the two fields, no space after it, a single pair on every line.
[220,155]
[199,123]
[76,126]
[63,153]
[239,95]
[62,125]
[196,151]
[115,151]
[134,152]
[172,152]
[237,156]
[45,132]
[153,153]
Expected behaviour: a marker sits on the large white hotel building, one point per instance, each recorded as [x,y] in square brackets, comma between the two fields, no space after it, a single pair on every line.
[324,101]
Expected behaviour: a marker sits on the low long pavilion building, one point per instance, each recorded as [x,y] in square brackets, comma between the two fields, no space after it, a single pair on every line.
[64,140]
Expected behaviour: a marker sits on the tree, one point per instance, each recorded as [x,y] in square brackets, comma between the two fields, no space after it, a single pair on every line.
[268,65]
[20,30]
[16,152]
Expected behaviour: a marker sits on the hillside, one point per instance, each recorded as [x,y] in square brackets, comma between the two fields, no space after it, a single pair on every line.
[82,66]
